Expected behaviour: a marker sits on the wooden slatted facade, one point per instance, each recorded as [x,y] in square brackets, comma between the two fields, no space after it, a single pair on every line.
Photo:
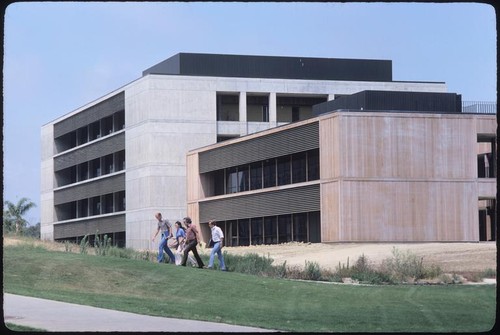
[384,177]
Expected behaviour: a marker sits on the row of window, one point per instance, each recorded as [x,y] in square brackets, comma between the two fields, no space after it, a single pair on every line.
[289,169]
[93,131]
[92,169]
[289,108]
[102,204]
[301,227]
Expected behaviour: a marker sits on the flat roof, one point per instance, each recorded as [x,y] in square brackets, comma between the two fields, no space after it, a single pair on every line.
[279,67]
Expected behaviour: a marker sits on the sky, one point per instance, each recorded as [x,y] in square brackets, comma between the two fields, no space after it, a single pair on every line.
[59,56]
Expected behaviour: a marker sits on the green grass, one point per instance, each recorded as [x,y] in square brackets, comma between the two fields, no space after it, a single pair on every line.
[236,298]
[18,328]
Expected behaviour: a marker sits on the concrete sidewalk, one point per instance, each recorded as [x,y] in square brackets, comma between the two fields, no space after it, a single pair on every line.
[52,315]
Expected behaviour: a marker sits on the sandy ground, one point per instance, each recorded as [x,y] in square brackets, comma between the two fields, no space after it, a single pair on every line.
[451,257]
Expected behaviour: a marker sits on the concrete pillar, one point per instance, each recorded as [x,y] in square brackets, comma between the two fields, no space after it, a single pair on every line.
[272,110]
[243,113]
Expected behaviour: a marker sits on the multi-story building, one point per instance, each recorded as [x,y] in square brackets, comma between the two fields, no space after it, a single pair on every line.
[109,165]
[372,167]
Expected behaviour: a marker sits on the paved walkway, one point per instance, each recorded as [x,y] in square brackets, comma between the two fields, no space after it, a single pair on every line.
[58,316]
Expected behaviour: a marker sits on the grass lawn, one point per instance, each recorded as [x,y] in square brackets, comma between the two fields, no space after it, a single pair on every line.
[182,292]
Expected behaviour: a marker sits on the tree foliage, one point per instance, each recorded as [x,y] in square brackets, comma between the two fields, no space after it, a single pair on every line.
[13,215]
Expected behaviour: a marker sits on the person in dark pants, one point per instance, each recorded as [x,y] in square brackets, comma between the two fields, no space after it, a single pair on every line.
[192,238]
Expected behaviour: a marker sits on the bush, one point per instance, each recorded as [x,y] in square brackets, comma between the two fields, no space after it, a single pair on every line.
[312,271]
[115,251]
[249,263]
[407,267]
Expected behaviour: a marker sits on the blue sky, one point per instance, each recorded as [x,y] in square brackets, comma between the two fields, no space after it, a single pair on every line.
[60,56]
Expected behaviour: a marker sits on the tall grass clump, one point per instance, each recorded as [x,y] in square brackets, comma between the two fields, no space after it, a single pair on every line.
[101,245]
[405,267]
[249,263]
[84,245]
[312,271]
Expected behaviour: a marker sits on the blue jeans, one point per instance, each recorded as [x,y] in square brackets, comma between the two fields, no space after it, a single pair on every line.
[217,250]
[164,246]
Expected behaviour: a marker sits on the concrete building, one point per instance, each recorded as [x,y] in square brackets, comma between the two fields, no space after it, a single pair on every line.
[385,167]
[107,166]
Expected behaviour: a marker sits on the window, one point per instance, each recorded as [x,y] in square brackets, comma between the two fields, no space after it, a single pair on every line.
[217,178]
[108,164]
[284,170]
[120,160]
[243,178]
[231,180]
[95,168]
[95,205]
[232,227]
[300,227]
[270,173]
[94,131]
[120,201]
[83,208]
[119,120]
[107,203]
[228,107]
[107,125]
[256,176]
[257,108]
[270,230]
[82,135]
[83,171]
[244,232]
[295,114]
[284,228]
[299,167]
[257,231]
[313,164]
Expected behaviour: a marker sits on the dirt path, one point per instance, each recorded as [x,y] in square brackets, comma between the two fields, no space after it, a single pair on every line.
[451,257]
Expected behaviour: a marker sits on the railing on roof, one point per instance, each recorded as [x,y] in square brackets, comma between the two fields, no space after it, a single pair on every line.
[479,107]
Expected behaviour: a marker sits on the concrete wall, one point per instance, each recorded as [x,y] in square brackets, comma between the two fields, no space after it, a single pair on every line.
[47,183]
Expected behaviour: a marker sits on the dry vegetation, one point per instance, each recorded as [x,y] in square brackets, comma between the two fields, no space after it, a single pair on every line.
[451,257]
[461,258]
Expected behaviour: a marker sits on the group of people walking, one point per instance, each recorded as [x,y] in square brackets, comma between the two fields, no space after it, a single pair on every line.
[186,241]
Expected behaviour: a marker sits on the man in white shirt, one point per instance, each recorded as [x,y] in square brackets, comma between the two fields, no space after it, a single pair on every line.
[218,239]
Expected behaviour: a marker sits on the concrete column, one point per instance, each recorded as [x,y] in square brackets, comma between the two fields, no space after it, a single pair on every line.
[272,110]
[243,113]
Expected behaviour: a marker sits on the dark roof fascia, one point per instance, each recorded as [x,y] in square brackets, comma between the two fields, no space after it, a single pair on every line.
[274,67]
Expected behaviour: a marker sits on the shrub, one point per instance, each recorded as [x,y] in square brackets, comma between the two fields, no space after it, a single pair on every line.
[489,273]
[406,266]
[249,263]
[312,271]
[115,251]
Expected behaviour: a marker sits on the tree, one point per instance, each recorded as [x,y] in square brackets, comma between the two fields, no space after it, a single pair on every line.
[33,231]
[13,214]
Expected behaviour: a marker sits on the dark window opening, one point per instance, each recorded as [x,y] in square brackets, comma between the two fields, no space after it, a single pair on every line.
[270,173]
[228,107]
[284,170]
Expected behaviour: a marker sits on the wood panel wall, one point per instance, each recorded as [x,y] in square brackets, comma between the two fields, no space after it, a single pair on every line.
[399,177]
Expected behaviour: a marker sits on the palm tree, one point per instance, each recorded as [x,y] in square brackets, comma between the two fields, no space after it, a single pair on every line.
[15,213]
